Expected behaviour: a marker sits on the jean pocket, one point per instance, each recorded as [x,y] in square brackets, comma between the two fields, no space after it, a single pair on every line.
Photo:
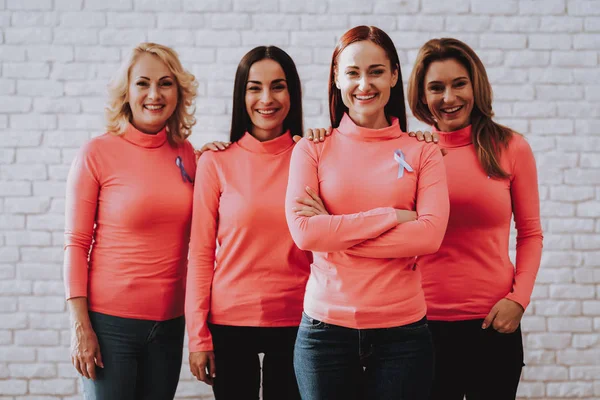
[311,323]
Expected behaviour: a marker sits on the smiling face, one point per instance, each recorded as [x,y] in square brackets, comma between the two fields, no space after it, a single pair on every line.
[267,99]
[448,93]
[365,78]
[152,93]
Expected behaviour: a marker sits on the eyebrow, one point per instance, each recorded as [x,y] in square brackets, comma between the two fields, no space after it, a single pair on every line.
[145,77]
[370,66]
[453,80]
[275,81]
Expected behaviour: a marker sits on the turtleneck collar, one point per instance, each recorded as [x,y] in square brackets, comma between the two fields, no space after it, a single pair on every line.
[459,138]
[273,146]
[146,140]
[349,128]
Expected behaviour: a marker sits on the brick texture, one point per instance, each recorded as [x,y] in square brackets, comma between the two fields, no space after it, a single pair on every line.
[56,58]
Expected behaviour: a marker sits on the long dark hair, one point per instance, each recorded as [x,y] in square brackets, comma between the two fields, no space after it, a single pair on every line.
[395,106]
[240,120]
[489,138]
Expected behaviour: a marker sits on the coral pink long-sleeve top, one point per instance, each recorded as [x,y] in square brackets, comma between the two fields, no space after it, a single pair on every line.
[472,271]
[363,272]
[257,276]
[128,213]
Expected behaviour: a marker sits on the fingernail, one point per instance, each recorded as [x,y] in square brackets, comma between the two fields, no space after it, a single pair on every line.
[484,326]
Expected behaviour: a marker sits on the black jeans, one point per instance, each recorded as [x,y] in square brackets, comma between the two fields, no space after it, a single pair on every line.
[337,363]
[238,365]
[476,363]
[142,359]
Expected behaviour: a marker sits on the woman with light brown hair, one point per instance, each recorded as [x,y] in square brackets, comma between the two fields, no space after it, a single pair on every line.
[475,296]
[128,213]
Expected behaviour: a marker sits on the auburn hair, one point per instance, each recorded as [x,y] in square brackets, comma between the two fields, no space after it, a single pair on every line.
[489,138]
[395,106]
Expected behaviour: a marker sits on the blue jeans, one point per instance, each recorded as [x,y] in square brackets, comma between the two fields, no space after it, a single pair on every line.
[332,362]
[142,359]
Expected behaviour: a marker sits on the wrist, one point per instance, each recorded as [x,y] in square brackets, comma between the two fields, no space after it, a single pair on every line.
[82,326]
[516,302]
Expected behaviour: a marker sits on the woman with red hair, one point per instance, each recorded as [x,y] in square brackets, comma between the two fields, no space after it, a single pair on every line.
[374,191]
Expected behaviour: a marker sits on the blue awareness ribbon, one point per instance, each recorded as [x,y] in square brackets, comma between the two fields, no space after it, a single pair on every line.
[403,165]
[184,174]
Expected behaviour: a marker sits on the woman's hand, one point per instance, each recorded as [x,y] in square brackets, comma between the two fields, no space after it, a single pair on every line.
[309,207]
[202,366]
[85,350]
[317,134]
[212,146]
[405,216]
[428,137]
[504,317]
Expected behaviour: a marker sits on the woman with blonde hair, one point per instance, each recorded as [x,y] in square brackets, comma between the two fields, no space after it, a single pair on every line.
[128,213]
[475,296]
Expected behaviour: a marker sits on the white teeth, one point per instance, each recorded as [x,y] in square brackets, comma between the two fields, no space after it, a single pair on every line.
[364,97]
[451,110]
[266,112]
[153,108]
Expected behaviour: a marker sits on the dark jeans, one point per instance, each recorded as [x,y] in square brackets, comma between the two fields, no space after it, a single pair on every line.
[476,363]
[142,359]
[333,362]
[238,366]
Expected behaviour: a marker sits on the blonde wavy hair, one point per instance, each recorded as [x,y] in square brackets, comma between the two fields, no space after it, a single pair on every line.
[118,112]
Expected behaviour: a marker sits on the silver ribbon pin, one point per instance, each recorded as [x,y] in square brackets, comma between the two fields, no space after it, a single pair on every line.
[403,165]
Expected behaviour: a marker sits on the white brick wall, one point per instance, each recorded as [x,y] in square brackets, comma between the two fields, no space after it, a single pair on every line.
[543,57]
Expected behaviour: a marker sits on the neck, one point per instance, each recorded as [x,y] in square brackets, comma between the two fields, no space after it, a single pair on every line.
[449,128]
[148,130]
[264,135]
[373,121]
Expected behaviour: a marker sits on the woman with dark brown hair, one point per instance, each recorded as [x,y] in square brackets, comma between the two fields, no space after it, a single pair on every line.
[475,296]
[245,297]
[374,191]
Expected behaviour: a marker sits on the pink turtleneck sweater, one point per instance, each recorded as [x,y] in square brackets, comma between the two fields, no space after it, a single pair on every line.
[257,276]
[128,213]
[471,271]
[363,274]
